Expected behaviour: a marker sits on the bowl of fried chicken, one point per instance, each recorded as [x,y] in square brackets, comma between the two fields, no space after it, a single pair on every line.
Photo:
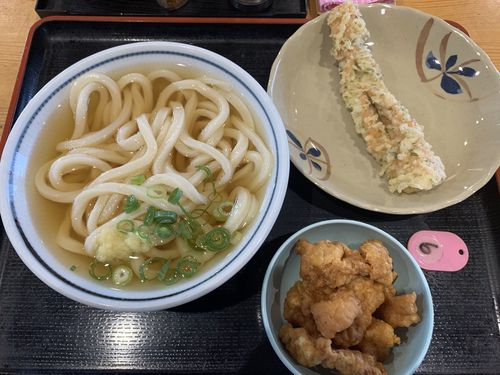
[345,297]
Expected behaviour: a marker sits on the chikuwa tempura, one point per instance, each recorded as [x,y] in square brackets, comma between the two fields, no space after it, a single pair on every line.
[392,136]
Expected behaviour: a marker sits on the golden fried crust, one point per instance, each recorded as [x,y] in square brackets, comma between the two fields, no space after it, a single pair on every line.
[379,339]
[310,351]
[392,136]
[389,290]
[353,362]
[380,262]
[400,311]
[297,310]
[348,29]
[321,252]
[306,350]
[335,301]
[293,305]
[336,314]
[354,334]
[371,295]
[328,264]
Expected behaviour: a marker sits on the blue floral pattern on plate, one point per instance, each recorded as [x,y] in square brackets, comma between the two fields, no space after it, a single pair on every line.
[451,72]
[448,84]
[314,154]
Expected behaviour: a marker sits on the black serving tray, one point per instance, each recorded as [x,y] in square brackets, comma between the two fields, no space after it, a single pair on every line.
[194,8]
[43,332]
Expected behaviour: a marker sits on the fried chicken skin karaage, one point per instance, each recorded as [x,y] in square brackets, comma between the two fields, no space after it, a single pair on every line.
[377,256]
[312,351]
[371,295]
[337,313]
[379,339]
[297,309]
[306,349]
[400,311]
[354,362]
[329,264]
[331,310]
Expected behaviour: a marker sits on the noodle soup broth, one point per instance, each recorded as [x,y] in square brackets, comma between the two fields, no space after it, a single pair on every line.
[216,165]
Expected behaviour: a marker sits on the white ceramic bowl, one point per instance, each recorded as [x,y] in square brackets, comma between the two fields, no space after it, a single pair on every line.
[283,272]
[447,82]
[15,182]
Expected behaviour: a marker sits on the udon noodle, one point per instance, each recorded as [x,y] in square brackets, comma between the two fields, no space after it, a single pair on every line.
[161,173]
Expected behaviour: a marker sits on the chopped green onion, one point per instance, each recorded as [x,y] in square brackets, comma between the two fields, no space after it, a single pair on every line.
[156,192]
[155,240]
[175,196]
[122,275]
[100,271]
[205,169]
[171,276]
[222,211]
[187,266]
[188,229]
[143,231]
[218,239]
[144,268]
[165,217]
[150,215]
[186,213]
[183,230]
[125,226]
[162,273]
[131,204]
[72,268]
[138,180]
[236,238]
[164,230]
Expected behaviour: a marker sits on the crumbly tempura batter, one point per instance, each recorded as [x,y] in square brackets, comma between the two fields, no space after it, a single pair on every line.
[392,136]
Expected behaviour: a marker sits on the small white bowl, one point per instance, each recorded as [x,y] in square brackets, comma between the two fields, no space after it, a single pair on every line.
[283,272]
[14,186]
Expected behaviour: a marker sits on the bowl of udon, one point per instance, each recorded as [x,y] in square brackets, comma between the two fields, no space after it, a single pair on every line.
[144,176]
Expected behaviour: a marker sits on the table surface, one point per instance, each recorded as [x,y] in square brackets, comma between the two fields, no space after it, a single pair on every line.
[479,17]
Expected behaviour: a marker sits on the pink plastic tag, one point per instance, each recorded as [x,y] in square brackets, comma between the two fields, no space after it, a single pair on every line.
[326,5]
[438,251]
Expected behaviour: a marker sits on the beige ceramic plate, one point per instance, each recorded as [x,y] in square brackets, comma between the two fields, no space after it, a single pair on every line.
[446,81]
